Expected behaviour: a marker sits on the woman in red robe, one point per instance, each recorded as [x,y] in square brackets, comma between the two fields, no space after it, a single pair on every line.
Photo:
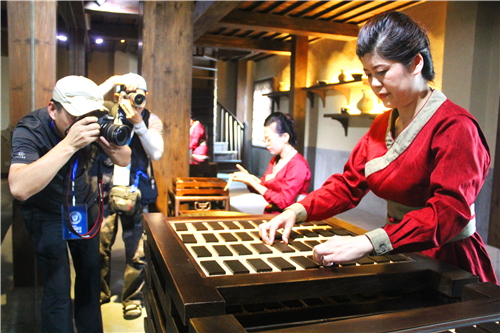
[197,142]
[427,157]
[287,175]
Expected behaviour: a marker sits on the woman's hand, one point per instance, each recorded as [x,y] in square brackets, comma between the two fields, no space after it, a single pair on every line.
[285,220]
[340,249]
[245,177]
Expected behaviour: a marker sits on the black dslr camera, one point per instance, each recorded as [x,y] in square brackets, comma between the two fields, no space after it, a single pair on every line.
[117,134]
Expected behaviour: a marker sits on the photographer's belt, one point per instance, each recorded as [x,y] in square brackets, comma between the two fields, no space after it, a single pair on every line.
[398,211]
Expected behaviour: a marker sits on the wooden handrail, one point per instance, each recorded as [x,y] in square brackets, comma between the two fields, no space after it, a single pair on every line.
[230,130]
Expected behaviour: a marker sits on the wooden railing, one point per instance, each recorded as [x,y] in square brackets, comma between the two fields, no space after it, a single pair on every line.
[230,130]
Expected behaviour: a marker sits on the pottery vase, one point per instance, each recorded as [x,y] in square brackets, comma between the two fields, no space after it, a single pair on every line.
[365,104]
[341,76]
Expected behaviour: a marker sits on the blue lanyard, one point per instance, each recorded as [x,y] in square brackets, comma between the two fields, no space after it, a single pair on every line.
[75,165]
[138,173]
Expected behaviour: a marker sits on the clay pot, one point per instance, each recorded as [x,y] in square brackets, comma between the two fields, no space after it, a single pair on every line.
[341,76]
[365,104]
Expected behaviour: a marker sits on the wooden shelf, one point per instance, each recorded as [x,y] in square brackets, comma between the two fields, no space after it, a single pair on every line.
[353,120]
[344,87]
[276,95]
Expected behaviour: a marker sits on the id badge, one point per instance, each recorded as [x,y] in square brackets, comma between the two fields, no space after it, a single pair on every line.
[121,175]
[78,219]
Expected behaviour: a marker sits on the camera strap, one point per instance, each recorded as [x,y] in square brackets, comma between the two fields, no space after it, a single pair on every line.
[78,214]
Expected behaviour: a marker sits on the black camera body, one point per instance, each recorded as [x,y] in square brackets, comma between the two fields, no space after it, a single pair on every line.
[117,134]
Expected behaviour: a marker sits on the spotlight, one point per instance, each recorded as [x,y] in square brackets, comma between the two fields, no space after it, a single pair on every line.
[62,38]
[122,41]
[99,40]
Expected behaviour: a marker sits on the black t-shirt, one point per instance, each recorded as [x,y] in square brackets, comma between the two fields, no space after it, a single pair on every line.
[34,137]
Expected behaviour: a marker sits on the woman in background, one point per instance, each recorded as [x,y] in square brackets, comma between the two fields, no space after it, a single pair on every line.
[197,142]
[287,175]
[427,157]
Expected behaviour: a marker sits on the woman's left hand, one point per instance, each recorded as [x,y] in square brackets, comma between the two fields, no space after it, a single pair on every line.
[340,249]
[244,176]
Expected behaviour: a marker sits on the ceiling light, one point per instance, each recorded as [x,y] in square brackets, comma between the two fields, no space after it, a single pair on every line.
[99,40]
[62,38]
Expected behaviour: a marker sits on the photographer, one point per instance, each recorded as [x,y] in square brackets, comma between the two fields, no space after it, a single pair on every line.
[50,152]
[146,145]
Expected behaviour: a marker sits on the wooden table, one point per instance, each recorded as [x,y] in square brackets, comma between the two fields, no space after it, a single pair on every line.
[183,295]
[203,192]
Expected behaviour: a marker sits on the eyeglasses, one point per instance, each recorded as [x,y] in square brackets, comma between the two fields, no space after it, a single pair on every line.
[269,141]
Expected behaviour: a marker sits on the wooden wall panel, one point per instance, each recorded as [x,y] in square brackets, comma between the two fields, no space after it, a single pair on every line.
[167,67]
[298,80]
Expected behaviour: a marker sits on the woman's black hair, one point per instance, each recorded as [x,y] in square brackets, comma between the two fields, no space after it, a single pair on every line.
[284,124]
[395,36]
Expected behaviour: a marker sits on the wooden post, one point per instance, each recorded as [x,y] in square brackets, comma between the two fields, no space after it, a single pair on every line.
[77,54]
[32,57]
[167,67]
[298,80]
[494,225]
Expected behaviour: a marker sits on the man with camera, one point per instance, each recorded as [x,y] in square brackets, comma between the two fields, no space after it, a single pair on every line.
[135,181]
[51,150]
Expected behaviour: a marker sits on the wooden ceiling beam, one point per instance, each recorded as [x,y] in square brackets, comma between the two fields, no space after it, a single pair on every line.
[208,13]
[114,7]
[235,43]
[238,19]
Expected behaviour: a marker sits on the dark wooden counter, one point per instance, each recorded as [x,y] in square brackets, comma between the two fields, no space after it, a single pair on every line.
[179,291]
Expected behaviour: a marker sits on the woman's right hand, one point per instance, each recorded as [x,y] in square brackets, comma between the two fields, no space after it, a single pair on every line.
[285,220]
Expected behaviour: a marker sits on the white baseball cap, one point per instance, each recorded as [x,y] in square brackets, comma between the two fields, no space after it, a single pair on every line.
[139,80]
[78,95]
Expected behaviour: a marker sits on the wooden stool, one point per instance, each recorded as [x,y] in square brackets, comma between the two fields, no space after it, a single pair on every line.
[202,191]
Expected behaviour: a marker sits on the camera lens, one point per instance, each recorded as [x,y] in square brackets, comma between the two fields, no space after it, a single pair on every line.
[139,99]
[117,134]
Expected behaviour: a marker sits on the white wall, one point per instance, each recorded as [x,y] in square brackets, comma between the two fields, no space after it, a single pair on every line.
[125,63]
[472,76]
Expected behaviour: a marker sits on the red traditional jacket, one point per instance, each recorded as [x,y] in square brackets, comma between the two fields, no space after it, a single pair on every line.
[291,181]
[430,175]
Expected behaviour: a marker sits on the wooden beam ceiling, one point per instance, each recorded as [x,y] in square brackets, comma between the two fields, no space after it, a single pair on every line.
[294,26]
[235,43]
[208,13]
[114,7]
